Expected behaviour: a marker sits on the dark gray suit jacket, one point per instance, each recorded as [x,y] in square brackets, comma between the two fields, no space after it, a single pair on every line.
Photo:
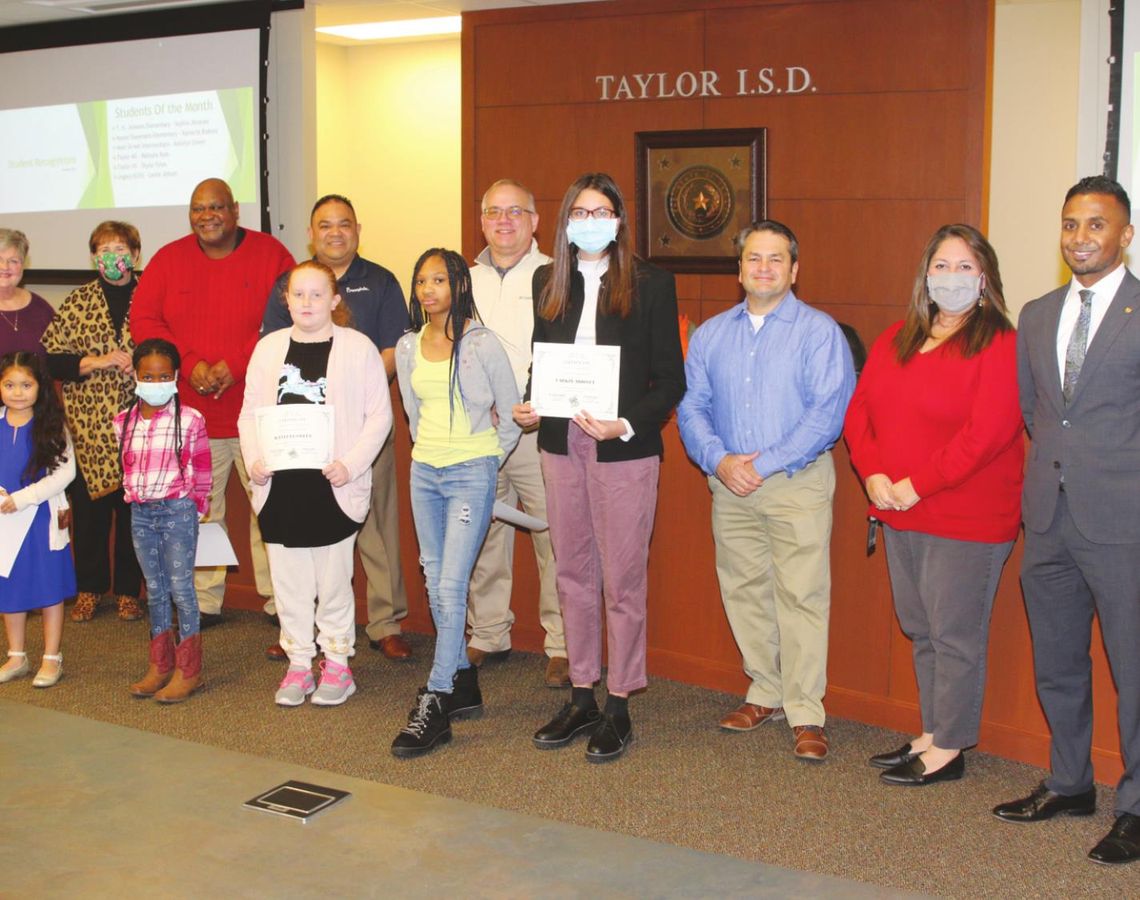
[1094,442]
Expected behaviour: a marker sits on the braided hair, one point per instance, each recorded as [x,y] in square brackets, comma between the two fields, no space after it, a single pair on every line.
[154,347]
[462,308]
[49,432]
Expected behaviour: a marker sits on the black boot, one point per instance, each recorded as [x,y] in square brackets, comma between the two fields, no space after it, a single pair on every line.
[427,726]
[614,733]
[465,700]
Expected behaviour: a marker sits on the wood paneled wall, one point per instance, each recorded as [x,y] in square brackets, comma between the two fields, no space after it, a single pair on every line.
[889,145]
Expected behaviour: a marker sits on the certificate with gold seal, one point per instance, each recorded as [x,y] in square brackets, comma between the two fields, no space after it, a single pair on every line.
[295,436]
[569,378]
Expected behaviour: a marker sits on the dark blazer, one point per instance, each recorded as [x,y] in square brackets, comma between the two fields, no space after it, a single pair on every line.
[652,377]
[1095,440]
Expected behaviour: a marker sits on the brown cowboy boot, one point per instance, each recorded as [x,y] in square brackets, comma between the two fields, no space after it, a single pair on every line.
[187,671]
[161,666]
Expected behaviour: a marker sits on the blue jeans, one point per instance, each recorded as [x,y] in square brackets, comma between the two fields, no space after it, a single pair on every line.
[165,535]
[452,507]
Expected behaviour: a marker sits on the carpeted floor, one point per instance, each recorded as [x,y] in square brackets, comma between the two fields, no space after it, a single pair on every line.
[683,781]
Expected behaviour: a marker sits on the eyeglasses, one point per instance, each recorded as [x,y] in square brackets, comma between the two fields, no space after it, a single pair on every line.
[209,208]
[511,212]
[580,213]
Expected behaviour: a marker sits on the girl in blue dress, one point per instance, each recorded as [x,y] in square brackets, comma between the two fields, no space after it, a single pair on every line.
[36,464]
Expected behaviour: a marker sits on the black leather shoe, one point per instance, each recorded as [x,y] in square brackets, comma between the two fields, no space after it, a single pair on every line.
[895,758]
[610,739]
[563,728]
[1043,804]
[913,773]
[1121,844]
[209,620]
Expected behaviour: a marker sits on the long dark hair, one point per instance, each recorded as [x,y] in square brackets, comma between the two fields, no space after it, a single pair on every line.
[617,293]
[154,347]
[462,309]
[987,318]
[49,431]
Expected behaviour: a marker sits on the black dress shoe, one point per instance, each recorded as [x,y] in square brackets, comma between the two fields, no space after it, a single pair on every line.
[1043,804]
[913,773]
[561,730]
[1121,844]
[610,739]
[895,758]
[208,620]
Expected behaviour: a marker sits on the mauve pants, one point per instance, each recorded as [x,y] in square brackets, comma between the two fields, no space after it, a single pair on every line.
[601,518]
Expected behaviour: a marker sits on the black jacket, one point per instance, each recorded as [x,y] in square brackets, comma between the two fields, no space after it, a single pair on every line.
[652,378]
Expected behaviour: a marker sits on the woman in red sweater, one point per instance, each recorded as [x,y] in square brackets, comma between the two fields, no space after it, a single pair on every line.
[935,432]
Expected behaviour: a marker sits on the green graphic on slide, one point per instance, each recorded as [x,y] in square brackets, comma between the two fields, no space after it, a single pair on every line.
[128,152]
[238,111]
[98,193]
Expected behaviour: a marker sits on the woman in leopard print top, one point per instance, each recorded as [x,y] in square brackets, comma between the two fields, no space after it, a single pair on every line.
[89,349]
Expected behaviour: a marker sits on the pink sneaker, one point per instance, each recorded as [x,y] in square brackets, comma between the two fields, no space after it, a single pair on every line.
[295,687]
[336,684]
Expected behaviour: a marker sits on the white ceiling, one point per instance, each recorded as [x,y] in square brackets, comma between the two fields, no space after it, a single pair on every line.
[329,12]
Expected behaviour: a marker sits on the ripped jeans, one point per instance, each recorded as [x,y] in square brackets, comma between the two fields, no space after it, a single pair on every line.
[452,508]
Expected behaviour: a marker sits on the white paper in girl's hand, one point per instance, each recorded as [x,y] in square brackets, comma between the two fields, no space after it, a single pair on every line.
[13,529]
[214,547]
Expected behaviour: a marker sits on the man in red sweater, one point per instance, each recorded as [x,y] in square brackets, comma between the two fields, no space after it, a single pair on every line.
[206,294]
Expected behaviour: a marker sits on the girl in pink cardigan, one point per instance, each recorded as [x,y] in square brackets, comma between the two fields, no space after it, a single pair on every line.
[309,517]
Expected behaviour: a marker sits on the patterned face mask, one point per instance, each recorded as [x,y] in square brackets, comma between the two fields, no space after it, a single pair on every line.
[115,266]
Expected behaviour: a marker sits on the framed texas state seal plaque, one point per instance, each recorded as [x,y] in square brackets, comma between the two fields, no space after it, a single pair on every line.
[695,191]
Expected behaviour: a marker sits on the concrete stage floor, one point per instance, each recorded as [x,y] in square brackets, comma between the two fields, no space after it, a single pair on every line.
[90,809]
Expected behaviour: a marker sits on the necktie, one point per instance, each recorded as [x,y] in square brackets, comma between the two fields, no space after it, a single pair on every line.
[1078,343]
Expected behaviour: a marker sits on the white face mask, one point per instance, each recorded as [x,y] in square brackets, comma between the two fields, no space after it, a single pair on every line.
[156,393]
[592,235]
[954,292]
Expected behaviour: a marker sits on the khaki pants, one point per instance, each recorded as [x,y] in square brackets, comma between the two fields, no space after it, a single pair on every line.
[379,546]
[210,583]
[489,615]
[773,562]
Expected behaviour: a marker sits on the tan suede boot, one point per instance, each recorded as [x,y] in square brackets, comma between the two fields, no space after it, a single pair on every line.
[161,666]
[187,672]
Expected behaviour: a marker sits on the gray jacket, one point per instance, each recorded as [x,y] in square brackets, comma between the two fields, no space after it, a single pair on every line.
[486,382]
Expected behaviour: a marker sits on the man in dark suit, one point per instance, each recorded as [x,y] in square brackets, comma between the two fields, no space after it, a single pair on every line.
[1079,378]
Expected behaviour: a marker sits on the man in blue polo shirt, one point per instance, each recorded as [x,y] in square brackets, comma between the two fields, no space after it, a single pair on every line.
[378,310]
[768,384]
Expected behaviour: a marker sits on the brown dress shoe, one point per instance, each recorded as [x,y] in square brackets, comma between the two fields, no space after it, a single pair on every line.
[394,647]
[748,716]
[477,657]
[129,608]
[811,742]
[84,609]
[276,653]
[558,672]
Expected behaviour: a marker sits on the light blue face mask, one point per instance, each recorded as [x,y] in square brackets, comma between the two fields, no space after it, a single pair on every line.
[156,393]
[591,235]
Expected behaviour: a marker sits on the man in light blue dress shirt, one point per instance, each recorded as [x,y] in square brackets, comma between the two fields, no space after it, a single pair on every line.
[768,384]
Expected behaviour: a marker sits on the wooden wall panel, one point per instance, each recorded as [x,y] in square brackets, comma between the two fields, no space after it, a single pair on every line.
[888,144]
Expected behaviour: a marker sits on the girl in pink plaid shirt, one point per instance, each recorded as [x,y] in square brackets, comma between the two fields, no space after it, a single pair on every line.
[166,478]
